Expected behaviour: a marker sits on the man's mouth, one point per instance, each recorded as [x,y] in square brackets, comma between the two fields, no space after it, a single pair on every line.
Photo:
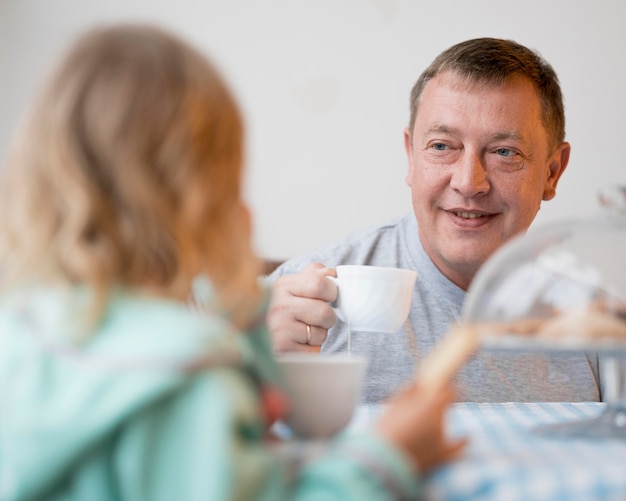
[468,215]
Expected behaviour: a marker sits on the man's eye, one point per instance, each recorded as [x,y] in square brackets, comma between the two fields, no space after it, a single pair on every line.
[439,146]
[505,152]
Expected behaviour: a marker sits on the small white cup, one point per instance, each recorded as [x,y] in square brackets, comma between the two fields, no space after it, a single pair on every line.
[323,391]
[374,298]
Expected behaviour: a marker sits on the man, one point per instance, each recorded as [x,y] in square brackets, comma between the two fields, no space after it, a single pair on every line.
[485,146]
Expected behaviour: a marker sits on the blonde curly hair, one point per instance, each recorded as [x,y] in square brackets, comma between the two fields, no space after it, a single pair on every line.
[128,173]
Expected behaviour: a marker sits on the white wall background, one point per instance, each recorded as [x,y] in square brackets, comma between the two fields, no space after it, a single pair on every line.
[324,87]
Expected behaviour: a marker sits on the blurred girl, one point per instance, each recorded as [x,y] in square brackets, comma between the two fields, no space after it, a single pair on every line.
[121,198]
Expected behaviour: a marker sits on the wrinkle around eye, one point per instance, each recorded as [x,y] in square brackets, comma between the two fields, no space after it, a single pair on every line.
[507,164]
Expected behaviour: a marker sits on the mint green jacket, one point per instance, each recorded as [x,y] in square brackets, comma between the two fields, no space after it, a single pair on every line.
[156,403]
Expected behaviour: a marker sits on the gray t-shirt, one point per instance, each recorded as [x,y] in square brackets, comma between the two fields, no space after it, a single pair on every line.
[437,302]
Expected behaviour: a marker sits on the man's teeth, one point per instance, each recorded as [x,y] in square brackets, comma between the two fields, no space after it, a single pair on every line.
[468,215]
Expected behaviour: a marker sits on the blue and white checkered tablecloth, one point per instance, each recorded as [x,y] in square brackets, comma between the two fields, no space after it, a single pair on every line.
[506,460]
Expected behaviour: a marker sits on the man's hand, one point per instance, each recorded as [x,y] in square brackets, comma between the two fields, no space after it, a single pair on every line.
[300,315]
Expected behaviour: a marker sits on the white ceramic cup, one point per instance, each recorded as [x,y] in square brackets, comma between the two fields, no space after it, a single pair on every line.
[373,298]
[323,391]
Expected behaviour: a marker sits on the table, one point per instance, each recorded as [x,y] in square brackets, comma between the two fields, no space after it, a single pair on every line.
[507,460]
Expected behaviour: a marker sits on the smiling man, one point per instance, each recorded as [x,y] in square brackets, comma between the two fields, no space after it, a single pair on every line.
[485,146]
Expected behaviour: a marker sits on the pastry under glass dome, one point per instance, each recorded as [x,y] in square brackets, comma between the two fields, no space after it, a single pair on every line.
[562,288]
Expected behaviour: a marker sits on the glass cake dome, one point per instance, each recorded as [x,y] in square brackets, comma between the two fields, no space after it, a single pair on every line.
[561,288]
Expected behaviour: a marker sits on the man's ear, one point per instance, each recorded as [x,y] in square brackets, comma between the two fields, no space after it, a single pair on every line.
[408,148]
[558,164]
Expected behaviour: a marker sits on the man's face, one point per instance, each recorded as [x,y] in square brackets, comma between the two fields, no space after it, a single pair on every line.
[480,164]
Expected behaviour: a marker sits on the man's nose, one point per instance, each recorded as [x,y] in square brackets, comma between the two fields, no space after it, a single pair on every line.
[470,177]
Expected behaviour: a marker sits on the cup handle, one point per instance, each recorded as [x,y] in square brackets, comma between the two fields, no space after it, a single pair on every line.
[335,304]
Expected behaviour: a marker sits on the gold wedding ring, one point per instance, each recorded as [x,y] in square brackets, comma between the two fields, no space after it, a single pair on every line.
[308,334]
